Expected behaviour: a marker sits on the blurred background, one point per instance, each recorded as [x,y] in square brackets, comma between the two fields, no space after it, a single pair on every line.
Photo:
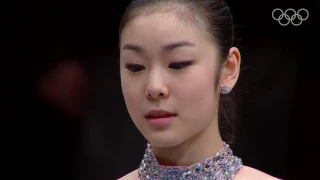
[69,120]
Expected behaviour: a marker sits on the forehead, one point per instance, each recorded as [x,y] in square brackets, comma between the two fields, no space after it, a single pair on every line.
[161,28]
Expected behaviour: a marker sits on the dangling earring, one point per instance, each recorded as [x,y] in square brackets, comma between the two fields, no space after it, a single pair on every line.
[225,89]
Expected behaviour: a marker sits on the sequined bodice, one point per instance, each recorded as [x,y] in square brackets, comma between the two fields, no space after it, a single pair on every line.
[223,166]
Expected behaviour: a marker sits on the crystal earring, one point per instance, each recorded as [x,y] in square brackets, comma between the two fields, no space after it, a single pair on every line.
[225,89]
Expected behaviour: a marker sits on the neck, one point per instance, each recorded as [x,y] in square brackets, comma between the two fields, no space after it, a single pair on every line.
[204,145]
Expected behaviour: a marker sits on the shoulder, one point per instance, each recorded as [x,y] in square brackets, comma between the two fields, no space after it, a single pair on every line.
[131,176]
[248,173]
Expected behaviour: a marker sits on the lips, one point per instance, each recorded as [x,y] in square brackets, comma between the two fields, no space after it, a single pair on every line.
[154,114]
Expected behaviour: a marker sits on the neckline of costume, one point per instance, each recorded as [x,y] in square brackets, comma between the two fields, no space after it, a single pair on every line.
[222,166]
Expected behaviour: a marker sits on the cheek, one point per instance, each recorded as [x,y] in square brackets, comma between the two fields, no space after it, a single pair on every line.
[132,94]
[196,97]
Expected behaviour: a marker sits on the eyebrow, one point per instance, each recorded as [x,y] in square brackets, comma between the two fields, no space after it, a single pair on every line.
[166,48]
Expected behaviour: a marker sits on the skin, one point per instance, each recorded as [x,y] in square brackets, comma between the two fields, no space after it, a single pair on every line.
[189,91]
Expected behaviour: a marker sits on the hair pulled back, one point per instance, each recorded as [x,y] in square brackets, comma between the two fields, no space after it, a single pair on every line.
[216,21]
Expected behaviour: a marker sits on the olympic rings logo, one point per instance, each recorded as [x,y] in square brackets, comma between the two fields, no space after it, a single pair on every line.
[290,19]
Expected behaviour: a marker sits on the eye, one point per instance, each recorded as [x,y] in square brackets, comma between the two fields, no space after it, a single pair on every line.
[180,65]
[135,67]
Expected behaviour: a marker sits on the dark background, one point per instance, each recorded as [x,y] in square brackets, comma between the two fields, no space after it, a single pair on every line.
[277,93]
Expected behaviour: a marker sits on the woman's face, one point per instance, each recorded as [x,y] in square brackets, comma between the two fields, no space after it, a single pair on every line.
[171,66]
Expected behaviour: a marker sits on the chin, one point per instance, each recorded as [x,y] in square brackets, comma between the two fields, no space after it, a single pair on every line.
[164,139]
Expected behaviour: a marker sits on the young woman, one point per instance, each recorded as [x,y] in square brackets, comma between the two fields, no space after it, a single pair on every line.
[177,64]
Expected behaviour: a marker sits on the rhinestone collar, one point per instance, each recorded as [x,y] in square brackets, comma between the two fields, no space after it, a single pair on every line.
[223,166]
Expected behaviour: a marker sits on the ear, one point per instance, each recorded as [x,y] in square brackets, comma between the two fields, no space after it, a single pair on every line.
[231,69]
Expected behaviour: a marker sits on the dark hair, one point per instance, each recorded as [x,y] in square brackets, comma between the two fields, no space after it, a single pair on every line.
[215,19]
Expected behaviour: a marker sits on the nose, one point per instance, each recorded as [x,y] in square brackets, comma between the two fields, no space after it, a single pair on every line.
[156,88]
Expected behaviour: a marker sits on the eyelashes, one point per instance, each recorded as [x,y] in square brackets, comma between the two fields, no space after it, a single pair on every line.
[135,67]
[176,66]
[180,65]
